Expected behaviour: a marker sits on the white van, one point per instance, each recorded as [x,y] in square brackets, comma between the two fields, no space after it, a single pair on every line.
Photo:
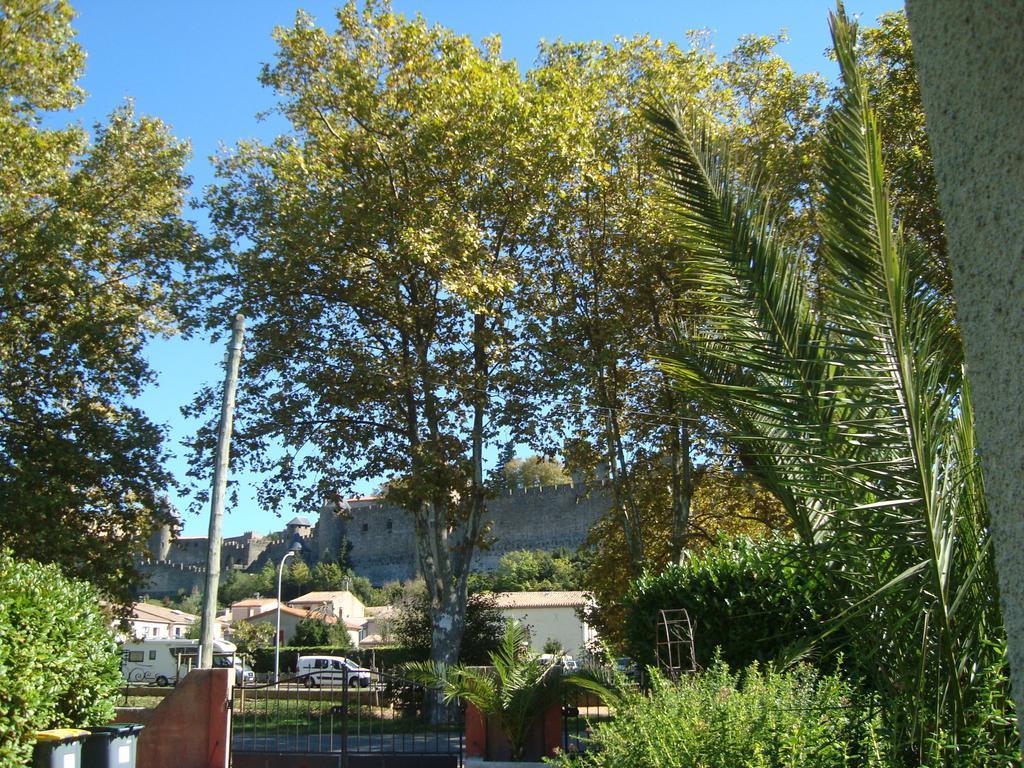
[165,662]
[332,670]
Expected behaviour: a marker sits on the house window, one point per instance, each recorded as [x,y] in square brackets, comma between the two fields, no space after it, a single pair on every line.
[389,525]
[366,527]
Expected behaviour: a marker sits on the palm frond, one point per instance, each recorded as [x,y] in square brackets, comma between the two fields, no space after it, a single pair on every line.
[759,343]
[856,416]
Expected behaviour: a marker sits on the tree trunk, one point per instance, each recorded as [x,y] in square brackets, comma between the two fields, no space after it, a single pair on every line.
[682,489]
[448,613]
[625,504]
[446,537]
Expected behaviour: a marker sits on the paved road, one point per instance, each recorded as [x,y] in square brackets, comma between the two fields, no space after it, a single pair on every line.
[419,743]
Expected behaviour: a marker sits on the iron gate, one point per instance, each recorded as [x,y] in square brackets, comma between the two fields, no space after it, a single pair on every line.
[345,719]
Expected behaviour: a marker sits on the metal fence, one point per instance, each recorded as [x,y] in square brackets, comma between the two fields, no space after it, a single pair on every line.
[581,712]
[351,716]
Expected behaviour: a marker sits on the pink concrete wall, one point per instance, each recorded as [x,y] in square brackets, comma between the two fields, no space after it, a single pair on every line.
[191,727]
[484,739]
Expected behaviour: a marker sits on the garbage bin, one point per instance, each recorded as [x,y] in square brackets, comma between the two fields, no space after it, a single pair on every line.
[111,746]
[58,748]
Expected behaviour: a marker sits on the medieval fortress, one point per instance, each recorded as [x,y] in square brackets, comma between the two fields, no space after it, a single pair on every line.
[382,545]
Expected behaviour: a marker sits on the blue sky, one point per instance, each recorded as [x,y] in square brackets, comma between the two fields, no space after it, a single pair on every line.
[194,63]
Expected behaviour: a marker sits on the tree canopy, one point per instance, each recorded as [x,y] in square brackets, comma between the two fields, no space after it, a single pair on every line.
[534,471]
[91,246]
[444,256]
[377,249]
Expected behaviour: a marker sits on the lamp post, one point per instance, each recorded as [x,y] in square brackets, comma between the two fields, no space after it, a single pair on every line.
[294,549]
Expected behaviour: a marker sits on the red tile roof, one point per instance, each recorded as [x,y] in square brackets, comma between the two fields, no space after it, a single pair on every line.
[564,599]
[289,611]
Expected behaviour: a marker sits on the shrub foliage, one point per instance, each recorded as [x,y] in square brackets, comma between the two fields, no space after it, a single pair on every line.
[720,719]
[59,664]
[748,599]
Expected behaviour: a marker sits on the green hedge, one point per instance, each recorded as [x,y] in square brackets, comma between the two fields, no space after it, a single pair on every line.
[748,598]
[388,658]
[59,663]
[717,719]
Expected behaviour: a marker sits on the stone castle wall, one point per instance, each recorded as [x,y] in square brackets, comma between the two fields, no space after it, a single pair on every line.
[167,579]
[383,545]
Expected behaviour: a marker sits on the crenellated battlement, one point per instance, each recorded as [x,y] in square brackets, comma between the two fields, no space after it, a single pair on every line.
[171,565]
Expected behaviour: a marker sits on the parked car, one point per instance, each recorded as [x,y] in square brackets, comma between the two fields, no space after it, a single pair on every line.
[570,666]
[244,674]
[332,670]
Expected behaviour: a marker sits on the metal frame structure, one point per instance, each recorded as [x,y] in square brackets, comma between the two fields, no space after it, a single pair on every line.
[674,643]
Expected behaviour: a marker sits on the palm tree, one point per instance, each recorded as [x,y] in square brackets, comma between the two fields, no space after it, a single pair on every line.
[514,693]
[846,397]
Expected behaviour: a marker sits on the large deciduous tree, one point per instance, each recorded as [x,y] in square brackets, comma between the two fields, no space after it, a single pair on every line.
[604,297]
[377,248]
[90,236]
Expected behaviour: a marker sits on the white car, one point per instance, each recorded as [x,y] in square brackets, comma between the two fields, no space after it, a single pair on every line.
[332,670]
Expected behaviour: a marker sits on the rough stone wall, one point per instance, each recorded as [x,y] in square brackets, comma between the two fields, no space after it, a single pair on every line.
[159,543]
[182,566]
[541,518]
[188,551]
[384,546]
[252,546]
[383,542]
[328,533]
[168,579]
[277,545]
[236,551]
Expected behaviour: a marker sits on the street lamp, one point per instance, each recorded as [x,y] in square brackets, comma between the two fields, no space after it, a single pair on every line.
[294,549]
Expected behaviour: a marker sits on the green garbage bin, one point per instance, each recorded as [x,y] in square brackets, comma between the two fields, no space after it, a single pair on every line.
[111,746]
[59,748]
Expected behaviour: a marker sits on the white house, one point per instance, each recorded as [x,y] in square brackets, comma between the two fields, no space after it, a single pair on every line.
[549,616]
[243,609]
[155,622]
[290,618]
[341,604]
[379,622]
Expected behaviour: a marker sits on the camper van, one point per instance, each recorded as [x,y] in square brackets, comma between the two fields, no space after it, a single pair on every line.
[165,662]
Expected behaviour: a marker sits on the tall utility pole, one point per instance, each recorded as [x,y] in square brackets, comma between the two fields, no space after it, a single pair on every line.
[220,481]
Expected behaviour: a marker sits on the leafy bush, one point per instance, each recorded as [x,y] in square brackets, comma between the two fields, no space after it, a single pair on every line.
[525,570]
[249,636]
[717,719]
[748,598]
[314,632]
[59,664]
